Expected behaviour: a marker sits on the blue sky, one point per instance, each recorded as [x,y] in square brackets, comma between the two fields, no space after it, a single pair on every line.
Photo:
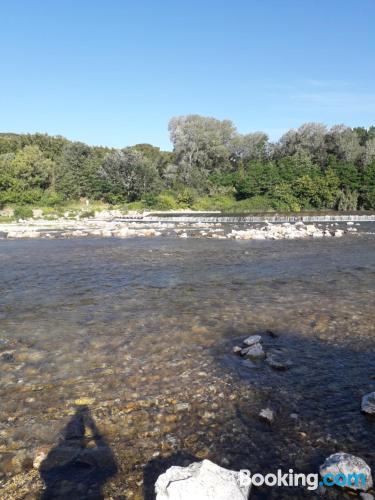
[114,72]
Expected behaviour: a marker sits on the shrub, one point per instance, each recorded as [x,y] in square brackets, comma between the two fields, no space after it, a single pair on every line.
[87,214]
[186,198]
[23,212]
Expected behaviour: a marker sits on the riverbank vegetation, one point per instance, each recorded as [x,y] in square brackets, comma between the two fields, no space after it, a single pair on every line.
[212,166]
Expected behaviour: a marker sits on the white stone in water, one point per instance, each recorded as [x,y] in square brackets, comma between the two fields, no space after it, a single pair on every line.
[267,415]
[200,481]
[237,349]
[344,463]
[254,351]
[253,339]
[368,403]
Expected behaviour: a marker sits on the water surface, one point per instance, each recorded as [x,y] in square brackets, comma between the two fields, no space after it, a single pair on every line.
[139,334]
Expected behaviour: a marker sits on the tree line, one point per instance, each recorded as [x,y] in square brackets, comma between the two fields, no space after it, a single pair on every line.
[212,165]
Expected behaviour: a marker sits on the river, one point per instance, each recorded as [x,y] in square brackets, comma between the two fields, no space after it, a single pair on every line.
[117,360]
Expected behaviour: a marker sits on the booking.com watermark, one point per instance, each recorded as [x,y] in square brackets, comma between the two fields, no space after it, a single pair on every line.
[310,481]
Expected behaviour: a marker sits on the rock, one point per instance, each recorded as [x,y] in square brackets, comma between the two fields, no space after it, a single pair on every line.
[253,339]
[366,496]
[368,403]
[183,235]
[344,463]
[84,401]
[37,213]
[267,415]
[200,481]
[254,351]
[277,364]
[7,356]
[237,349]
[40,455]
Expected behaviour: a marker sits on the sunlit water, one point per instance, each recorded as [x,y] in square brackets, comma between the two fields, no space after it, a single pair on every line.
[142,330]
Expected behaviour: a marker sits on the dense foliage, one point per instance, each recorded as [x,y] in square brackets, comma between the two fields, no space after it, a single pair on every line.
[211,166]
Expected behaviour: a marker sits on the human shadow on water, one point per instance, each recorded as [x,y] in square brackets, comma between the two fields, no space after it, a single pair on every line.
[81,463]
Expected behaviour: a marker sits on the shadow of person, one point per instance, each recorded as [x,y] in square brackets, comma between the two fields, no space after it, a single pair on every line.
[78,467]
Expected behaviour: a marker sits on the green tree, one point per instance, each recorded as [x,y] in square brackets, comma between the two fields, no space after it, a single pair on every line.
[78,171]
[130,174]
[368,187]
[258,179]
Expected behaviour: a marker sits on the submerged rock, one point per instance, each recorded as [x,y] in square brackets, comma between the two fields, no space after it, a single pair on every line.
[277,364]
[344,463]
[7,356]
[200,481]
[368,403]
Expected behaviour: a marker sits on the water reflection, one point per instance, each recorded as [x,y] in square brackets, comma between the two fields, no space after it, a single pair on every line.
[80,464]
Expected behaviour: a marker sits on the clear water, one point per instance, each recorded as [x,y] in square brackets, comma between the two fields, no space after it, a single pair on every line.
[139,332]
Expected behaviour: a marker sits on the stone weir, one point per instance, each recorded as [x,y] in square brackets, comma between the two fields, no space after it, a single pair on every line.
[237,219]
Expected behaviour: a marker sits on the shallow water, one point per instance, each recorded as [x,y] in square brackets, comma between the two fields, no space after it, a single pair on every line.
[141,332]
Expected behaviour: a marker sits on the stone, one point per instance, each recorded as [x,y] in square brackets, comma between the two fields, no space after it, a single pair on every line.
[344,463]
[267,415]
[276,364]
[237,349]
[368,403]
[366,496]
[7,356]
[254,351]
[40,455]
[253,339]
[200,481]
[84,401]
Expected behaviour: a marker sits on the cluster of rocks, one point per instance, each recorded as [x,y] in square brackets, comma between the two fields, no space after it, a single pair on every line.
[109,224]
[285,231]
[208,481]
[252,348]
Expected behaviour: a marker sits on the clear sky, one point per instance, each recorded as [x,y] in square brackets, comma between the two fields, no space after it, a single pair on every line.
[114,72]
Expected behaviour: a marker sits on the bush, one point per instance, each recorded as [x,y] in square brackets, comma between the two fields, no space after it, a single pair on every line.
[87,214]
[224,203]
[255,204]
[51,199]
[186,198]
[23,212]
[166,201]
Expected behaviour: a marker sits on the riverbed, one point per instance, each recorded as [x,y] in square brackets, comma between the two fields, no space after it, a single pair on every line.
[123,348]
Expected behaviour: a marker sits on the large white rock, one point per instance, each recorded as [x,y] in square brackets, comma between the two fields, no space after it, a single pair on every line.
[344,463]
[200,481]
[368,403]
